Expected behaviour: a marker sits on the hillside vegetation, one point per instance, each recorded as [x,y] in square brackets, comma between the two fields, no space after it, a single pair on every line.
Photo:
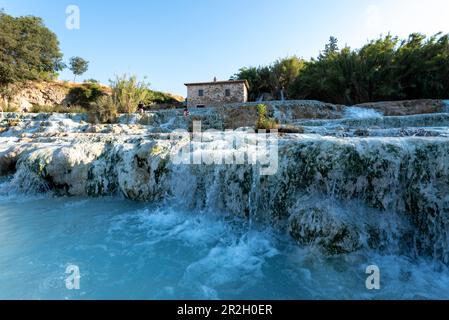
[70,97]
[30,59]
[388,68]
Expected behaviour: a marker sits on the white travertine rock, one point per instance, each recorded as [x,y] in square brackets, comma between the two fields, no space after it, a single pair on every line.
[398,178]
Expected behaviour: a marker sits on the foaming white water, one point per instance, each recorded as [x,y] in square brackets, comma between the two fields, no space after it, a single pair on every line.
[127,250]
[8,192]
[361,113]
[239,260]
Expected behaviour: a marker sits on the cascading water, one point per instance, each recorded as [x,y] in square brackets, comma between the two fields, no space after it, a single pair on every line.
[370,190]
[173,253]
[361,113]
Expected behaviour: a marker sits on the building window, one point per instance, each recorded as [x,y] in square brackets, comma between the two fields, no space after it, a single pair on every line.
[228,92]
[201,93]
[201,106]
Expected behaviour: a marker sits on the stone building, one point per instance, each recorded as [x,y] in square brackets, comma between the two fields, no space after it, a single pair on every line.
[216,93]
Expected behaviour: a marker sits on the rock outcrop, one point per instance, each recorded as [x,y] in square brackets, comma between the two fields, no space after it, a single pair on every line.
[42,94]
[407,107]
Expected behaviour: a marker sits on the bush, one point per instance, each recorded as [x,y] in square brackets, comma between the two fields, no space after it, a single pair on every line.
[128,92]
[157,97]
[264,122]
[85,94]
[273,80]
[104,110]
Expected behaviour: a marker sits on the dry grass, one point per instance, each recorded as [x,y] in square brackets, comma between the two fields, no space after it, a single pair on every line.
[10,108]
[57,109]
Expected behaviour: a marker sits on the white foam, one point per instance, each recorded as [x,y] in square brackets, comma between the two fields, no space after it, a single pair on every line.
[127,250]
[229,263]
[361,113]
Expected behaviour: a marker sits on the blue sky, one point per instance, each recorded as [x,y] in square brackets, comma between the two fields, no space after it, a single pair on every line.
[177,41]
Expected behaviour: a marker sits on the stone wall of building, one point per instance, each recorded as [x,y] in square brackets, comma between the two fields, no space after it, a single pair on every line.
[214,94]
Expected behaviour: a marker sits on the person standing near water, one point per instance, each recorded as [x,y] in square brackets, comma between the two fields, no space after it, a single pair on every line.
[141,108]
[186,112]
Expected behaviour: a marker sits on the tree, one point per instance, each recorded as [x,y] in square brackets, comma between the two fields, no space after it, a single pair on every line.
[272,79]
[78,66]
[259,80]
[386,68]
[330,48]
[285,71]
[28,50]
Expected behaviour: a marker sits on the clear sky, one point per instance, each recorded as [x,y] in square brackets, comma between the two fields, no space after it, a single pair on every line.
[177,41]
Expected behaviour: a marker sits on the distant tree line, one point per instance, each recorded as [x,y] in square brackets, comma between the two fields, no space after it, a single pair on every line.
[384,69]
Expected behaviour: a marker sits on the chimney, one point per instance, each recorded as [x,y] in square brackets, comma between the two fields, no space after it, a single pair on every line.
[215,79]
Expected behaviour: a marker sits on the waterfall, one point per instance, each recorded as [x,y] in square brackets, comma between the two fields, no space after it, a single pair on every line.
[408,177]
[388,193]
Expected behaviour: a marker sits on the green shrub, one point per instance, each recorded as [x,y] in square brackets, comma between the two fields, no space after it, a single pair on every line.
[264,122]
[128,92]
[104,110]
[85,94]
[157,97]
